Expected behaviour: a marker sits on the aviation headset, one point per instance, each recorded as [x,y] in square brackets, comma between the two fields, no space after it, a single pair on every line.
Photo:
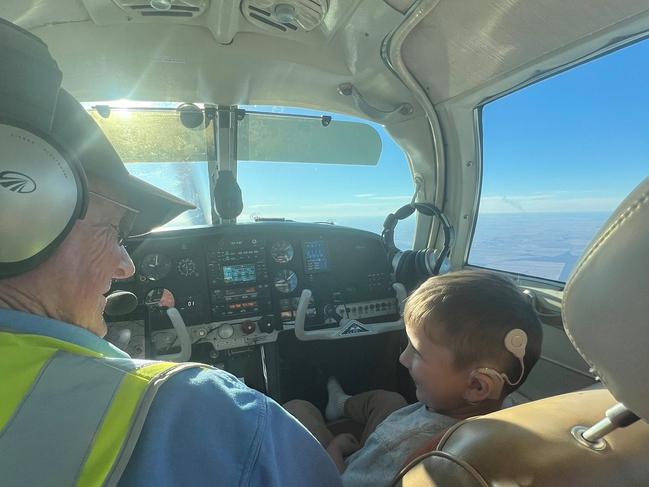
[411,267]
[43,189]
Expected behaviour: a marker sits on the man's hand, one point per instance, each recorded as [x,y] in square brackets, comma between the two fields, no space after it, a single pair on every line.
[340,447]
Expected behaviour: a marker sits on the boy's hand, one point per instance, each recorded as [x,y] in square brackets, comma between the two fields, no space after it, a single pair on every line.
[346,443]
[340,447]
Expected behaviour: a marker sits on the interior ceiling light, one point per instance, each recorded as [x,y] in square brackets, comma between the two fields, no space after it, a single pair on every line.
[285,12]
[160,4]
[285,15]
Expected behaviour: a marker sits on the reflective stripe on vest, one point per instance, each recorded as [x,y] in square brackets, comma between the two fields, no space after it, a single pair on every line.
[68,415]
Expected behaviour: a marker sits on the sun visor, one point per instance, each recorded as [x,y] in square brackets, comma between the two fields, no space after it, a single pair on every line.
[30,79]
[273,138]
[75,129]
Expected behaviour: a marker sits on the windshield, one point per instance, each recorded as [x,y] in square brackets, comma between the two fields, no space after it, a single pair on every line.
[293,164]
[157,148]
[358,194]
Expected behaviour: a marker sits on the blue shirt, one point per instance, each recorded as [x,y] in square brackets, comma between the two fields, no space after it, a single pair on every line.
[205,427]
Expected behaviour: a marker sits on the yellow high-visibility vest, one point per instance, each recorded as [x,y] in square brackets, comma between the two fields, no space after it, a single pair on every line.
[70,416]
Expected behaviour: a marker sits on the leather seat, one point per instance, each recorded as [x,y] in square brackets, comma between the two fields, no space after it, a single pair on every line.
[605,312]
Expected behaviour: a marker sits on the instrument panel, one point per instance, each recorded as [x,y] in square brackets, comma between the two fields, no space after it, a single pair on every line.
[239,285]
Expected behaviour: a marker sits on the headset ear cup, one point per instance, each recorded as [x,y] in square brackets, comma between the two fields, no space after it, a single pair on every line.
[410,270]
[407,271]
[398,271]
[44,193]
[430,260]
[420,265]
[82,189]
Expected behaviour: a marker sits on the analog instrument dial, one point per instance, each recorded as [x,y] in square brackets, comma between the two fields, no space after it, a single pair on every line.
[285,281]
[155,267]
[187,267]
[282,252]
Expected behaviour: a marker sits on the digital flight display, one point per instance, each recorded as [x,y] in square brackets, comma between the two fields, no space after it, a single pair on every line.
[316,258]
[233,274]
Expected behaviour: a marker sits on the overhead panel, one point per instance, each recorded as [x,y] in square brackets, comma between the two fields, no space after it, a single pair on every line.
[462,45]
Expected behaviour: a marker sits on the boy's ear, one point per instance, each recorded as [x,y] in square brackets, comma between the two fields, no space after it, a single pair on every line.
[484,383]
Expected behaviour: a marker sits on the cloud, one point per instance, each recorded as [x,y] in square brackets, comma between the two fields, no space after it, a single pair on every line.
[333,210]
[391,198]
[514,203]
[374,196]
[547,203]
[344,204]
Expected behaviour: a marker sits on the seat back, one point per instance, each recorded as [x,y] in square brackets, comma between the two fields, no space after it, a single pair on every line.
[531,445]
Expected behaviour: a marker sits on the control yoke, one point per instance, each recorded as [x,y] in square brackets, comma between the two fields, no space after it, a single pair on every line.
[183,338]
[347,328]
[164,300]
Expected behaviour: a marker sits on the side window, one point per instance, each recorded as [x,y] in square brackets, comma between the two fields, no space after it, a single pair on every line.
[558,157]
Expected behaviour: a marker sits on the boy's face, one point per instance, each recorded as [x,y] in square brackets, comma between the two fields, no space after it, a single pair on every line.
[439,384]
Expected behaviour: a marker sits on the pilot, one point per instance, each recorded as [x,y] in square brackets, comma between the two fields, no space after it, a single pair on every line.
[74,410]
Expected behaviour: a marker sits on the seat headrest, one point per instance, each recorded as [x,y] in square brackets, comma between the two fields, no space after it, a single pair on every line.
[606,302]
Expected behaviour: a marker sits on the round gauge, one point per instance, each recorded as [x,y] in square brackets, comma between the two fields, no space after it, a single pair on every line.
[155,266]
[282,252]
[285,281]
[187,267]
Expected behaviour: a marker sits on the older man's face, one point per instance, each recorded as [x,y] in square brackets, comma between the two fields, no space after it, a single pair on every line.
[87,261]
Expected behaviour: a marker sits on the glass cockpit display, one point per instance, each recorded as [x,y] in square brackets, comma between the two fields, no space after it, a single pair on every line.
[242,273]
[316,256]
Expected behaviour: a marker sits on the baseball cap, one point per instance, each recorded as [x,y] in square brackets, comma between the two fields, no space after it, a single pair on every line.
[33,95]
[81,137]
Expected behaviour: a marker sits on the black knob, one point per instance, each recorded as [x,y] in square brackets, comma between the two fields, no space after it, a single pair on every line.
[247,327]
[266,325]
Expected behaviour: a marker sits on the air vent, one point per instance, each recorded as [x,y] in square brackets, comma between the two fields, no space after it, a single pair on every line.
[164,8]
[285,15]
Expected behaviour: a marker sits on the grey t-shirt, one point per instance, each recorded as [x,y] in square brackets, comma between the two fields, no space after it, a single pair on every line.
[393,441]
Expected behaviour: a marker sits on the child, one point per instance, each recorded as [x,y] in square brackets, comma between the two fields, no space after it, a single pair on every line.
[473,338]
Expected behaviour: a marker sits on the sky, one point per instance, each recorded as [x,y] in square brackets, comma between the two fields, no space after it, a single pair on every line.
[558,158]
[576,142]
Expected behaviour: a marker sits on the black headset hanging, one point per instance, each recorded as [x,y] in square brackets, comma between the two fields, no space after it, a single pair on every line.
[412,267]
